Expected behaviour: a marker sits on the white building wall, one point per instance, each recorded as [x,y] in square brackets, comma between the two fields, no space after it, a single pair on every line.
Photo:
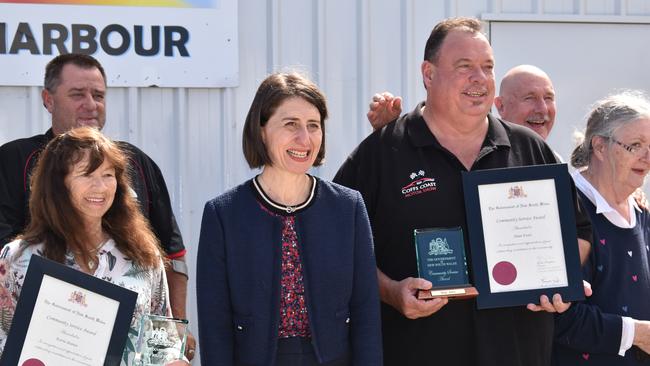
[352,49]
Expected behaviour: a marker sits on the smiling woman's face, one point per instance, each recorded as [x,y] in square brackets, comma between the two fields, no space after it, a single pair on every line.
[91,193]
[293,136]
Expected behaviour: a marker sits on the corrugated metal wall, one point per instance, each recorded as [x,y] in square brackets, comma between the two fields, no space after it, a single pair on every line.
[351,48]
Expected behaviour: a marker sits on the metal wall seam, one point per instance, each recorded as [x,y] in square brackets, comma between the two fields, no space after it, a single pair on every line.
[133,116]
[273,33]
[409,54]
[181,140]
[364,94]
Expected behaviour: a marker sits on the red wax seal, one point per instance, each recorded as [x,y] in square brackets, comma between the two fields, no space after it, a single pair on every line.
[33,362]
[504,273]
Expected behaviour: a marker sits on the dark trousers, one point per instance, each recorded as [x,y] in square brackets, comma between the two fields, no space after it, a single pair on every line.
[298,351]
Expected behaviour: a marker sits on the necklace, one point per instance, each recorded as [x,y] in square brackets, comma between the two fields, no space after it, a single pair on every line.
[93,255]
[286,208]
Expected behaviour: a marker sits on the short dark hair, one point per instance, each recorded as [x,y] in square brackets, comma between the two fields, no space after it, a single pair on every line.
[274,90]
[54,67]
[440,31]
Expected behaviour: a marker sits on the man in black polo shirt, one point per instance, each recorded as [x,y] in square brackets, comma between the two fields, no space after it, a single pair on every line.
[450,132]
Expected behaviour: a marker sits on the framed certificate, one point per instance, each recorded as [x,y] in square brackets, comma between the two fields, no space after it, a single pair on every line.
[67,317]
[522,235]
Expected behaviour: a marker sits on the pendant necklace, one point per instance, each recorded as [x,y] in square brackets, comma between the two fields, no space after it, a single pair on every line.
[93,254]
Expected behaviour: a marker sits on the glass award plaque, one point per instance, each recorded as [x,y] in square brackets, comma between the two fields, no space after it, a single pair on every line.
[441,260]
[160,340]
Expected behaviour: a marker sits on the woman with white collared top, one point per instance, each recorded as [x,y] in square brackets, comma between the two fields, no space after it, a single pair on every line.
[611,327]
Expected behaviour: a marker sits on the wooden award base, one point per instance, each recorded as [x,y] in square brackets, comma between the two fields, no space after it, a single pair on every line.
[452,293]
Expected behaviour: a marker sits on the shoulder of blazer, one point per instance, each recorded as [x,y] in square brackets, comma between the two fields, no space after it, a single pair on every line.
[334,191]
[334,203]
[236,196]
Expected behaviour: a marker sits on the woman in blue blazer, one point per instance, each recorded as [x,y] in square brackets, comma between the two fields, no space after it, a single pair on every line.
[285,270]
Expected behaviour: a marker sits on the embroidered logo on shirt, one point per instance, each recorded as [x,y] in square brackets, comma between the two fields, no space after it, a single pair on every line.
[419,184]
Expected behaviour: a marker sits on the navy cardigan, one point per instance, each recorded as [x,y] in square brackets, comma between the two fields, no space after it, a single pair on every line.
[618,268]
[238,278]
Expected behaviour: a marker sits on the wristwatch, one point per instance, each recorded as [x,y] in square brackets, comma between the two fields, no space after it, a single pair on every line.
[179,267]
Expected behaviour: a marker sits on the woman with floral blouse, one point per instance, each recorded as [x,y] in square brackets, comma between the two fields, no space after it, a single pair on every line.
[83,215]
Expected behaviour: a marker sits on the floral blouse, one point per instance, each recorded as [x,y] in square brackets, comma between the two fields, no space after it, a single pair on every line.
[114,267]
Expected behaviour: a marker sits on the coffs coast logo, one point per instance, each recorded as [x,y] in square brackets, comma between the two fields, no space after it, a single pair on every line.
[419,184]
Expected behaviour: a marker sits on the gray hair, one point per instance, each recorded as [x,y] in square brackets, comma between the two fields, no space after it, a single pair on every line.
[606,117]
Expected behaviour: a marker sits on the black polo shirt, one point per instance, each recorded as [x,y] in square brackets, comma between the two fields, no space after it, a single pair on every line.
[383,168]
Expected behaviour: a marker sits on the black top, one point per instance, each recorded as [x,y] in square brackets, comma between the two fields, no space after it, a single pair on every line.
[18,159]
[383,168]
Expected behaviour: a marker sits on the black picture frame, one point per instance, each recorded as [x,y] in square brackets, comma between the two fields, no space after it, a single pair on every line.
[40,267]
[565,199]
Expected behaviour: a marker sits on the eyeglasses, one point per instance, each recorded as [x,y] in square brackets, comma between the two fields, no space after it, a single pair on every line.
[636,148]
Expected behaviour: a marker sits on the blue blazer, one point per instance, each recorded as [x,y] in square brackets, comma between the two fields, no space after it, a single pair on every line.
[238,278]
